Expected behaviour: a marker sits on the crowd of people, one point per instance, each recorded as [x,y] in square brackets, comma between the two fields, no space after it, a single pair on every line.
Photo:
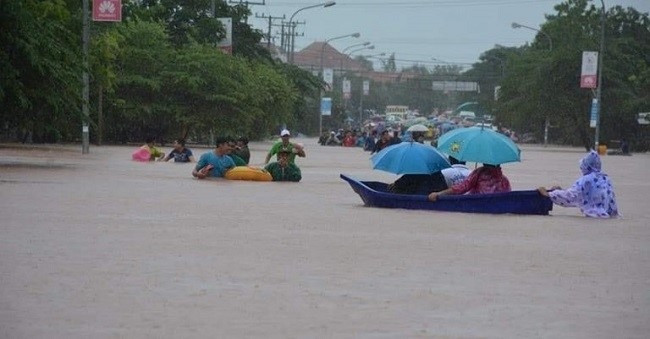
[227,154]
[592,193]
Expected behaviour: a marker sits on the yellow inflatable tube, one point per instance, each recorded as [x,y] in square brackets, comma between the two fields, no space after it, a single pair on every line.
[248,173]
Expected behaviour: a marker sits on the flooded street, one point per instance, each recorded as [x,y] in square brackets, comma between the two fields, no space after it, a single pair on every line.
[100,246]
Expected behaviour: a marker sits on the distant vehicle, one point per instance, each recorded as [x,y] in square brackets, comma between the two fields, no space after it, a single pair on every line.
[466,114]
[396,112]
[487,125]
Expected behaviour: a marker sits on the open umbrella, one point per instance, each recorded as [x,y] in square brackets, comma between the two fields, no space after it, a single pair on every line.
[418,128]
[409,158]
[479,144]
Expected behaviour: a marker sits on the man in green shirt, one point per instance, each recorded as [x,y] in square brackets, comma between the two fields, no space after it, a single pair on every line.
[283,170]
[285,146]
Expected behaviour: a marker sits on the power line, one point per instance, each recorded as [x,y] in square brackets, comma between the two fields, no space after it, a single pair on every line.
[423,3]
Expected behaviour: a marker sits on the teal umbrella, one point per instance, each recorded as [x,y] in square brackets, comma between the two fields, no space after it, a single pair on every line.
[478,144]
[409,158]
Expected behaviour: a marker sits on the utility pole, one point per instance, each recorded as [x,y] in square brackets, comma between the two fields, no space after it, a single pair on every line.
[271,18]
[290,39]
[85,133]
[247,4]
[600,74]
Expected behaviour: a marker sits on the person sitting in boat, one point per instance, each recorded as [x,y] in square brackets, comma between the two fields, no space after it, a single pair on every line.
[593,193]
[283,170]
[483,180]
[180,153]
[456,173]
[214,163]
[420,184]
[285,145]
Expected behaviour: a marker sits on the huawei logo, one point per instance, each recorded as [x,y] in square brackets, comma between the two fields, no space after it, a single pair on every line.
[107,7]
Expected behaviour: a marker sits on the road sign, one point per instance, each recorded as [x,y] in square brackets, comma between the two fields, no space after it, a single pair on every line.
[594,113]
[589,74]
[347,89]
[328,77]
[107,10]
[326,106]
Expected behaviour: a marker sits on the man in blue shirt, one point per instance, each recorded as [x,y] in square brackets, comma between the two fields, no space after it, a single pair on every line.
[215,163]
[180,153]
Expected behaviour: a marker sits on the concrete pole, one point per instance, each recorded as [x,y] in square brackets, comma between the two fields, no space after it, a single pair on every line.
[85,133]
[600,75]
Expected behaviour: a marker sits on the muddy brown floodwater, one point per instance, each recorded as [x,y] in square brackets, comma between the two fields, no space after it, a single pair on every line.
[98,246]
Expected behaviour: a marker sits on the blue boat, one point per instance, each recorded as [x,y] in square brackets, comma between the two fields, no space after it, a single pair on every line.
[376,194]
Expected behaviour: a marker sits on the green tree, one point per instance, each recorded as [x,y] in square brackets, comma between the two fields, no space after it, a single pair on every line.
[40,66]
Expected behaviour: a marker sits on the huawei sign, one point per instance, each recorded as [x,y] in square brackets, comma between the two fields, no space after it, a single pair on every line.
[107,10]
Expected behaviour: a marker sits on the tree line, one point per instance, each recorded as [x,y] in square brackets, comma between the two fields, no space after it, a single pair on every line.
[157,73]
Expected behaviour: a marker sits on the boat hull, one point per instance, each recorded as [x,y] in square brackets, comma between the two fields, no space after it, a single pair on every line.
[375,194]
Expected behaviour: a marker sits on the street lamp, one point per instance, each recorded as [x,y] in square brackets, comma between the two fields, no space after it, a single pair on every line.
[360,49]
[355,45]
[550,41]
[292,27]
[322,50]
[322,71]
[550,48]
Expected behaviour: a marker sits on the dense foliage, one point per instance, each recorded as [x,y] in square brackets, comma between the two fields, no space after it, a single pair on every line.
[158,73]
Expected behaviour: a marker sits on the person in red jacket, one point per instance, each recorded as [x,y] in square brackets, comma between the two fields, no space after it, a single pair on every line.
[349,140]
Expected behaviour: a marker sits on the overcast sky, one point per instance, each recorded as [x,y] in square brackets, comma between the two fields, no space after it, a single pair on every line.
[448,30]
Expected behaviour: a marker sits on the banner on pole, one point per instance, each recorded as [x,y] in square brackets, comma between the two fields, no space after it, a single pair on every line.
[594,113]
[107,10]
[497,91]
[225,45]
[328,77]
[366,87]
[326,106]
[347,89]
[455,86]
[589,74]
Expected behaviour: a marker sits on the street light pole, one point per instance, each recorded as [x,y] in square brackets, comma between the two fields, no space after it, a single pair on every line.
[600,73]
[355,45]
[292,27]
[322,72]
[550,48]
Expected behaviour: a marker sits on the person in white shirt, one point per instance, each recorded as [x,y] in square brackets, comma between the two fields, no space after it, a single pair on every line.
[456,173]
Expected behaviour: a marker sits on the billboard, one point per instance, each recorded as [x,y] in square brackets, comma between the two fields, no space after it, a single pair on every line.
[455,86]
[589,74]
[347,89]
[107,10]
[328,77]
[326,106]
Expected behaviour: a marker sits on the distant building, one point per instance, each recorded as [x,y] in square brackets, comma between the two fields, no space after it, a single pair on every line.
[309,58]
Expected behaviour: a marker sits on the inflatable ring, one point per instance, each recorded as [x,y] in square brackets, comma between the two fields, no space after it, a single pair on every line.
[248,173]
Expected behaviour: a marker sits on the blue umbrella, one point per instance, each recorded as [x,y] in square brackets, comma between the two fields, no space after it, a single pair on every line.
[409,158]
[478,144]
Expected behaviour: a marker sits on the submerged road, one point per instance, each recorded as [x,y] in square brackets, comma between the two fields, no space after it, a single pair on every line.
[99,246]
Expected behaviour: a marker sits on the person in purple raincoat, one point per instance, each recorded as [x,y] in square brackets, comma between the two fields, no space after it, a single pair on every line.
[593,193]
